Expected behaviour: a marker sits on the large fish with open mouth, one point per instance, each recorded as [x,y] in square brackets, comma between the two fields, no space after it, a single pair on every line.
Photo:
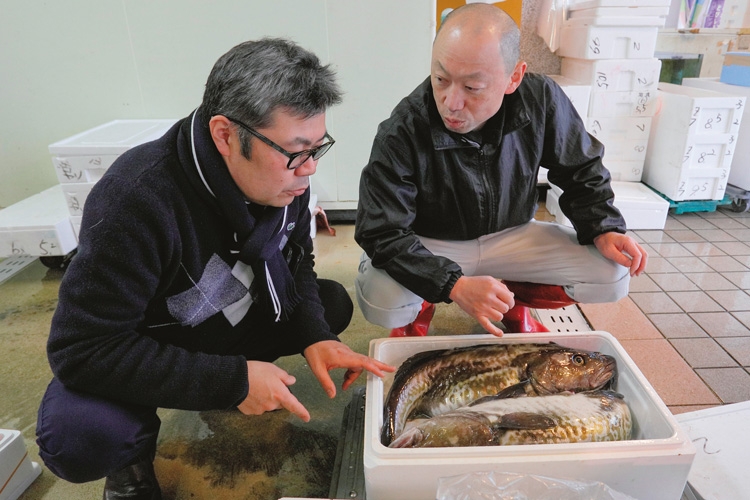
[433,382]
[558,418]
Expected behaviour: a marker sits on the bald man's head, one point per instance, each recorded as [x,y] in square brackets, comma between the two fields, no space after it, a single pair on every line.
[479,19]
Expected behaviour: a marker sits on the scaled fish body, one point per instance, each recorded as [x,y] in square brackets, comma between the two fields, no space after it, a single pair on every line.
[559,418]
[434,382]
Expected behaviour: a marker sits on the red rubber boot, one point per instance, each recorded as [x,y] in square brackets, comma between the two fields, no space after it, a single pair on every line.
[418,327]
[534,295]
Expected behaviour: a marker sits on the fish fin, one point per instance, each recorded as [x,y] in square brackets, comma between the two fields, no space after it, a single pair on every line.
[524,420]
[408,439]
[513,391]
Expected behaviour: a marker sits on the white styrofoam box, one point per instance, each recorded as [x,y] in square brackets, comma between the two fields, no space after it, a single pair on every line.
[652,465]
[613,75]
[541,178]
[608,42]
[640,206]
[625,149]
[636,103]
[592,4]
[739,173]
[17,472]
[311,206]
[720,467]
[38,225]
[628,128]
[598,20]
[624,170]
[692,142]
[619,11]
[76,194]
[85,156]
[75,221]
[578,93]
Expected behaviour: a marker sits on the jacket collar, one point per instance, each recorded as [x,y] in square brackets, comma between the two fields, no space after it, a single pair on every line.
[512,115]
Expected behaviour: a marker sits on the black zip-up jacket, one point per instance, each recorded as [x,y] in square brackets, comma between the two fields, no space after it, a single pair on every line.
[425,180]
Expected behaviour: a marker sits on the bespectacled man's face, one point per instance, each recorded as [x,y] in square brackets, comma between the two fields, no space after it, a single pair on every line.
[264,178]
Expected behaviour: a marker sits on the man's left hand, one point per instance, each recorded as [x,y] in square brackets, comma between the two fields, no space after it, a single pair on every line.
[326,355]
[624,250]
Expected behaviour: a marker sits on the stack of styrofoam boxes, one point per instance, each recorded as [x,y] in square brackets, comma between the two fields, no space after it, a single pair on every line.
[17,472]
[579,95]
[692,142]
[609,45]
[739,172]
[82,159]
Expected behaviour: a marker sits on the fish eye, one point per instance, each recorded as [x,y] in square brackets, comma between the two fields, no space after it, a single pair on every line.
[578,360]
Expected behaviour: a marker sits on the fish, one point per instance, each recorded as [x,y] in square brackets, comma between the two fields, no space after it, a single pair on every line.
[584,417]
[433,382]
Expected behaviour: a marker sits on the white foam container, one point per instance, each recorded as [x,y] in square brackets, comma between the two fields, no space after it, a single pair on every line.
[720,467]
[692,142]
[640,206]
[578,93]
[739,174]
[75,195]
[17,472]
[628,128]
[653,465]
[592,4]
[635,103]
[598,20]
[607,42]
[619,11]
[38,225]
[85,157]
[613,75]
[624,170]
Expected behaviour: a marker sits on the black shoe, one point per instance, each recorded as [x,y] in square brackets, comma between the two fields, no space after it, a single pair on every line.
[135,482]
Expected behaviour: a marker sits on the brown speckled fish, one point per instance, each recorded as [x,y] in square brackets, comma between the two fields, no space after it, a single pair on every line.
[559,418]
[434,382]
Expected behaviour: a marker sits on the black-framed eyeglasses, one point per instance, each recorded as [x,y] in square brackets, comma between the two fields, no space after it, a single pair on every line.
[295,159]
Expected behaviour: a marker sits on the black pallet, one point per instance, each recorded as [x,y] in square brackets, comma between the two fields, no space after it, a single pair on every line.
[348,479]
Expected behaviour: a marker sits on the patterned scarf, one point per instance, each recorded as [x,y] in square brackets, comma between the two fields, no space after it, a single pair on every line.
[261,238]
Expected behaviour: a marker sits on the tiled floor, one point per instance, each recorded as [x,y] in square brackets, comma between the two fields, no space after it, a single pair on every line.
[686,320]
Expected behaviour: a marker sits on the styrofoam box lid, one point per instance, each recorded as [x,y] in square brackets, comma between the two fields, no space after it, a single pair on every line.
[114,137]
[627,10]
[655,429]
[721,435]
[6,436]
[637,194]
[590,4]
[717,86]
[43,209]
[564,81]
[631,194]
[616,21]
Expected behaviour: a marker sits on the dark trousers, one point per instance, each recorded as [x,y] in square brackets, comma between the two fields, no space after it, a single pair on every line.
[83,437]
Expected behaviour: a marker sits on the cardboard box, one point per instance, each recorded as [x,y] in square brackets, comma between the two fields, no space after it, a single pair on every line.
[608,42]
[654,465]
[85,157]
[739,173]
[691,144]
[17,472]
[736,69]
[38,225]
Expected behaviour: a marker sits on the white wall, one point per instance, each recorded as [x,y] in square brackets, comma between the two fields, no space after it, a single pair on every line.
[67,66]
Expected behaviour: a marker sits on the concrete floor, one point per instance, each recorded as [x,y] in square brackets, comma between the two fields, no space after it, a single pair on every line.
[686,324]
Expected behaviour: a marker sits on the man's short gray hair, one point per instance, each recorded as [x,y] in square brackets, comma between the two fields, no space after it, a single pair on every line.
[256,78]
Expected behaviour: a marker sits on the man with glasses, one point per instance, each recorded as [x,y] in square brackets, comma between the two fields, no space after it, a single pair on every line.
[447,200]
[194,272]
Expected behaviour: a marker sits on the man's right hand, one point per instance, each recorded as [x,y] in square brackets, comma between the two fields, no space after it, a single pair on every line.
[269,390]
[484,298]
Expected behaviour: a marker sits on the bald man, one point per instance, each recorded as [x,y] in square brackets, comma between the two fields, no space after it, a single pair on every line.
[447,200]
